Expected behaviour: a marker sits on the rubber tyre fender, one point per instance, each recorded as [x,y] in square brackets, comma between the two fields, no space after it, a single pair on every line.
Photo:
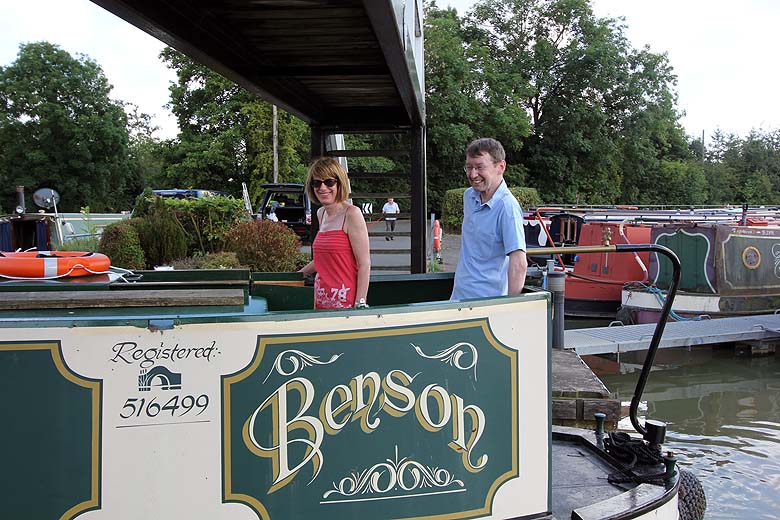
[692,501]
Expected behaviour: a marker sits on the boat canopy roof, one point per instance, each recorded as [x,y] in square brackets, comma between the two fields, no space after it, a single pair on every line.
[334,63]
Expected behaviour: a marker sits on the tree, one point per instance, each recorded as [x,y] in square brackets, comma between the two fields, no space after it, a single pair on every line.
[582,88]
[146,153]
[743,170]
[454,111]
[226,134]
[458,106]
[649,136]
[59,129]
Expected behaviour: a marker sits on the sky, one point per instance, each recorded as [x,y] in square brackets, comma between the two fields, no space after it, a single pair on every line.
[127,55]
[723,52]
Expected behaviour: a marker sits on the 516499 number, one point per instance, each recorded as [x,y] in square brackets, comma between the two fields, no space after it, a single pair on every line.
[177,406]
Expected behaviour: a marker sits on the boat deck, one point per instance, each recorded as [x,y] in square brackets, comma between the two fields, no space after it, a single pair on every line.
[616,339]
[580,487]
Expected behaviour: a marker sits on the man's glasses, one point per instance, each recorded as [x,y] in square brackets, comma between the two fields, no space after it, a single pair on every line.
[479,169]
[316,183]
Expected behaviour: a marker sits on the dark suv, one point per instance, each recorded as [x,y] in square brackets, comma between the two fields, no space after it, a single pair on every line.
[289,204]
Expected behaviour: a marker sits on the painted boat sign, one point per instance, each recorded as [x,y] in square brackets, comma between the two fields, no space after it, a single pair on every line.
[430,414]
[386,424]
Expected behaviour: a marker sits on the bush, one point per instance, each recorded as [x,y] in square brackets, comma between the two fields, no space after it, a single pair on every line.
[120,242]
[162,236]
[301,260]
[224,260]
[265,246]
[452,211]
[452,206]
[205,221]
[91,243]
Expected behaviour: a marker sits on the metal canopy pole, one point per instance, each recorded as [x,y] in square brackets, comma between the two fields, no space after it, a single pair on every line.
[419,201]
[317,150]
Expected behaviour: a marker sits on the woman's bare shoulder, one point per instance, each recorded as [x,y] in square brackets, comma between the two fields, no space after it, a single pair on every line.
[355,218]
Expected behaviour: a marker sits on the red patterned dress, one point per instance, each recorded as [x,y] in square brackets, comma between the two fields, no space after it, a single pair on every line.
[336,280]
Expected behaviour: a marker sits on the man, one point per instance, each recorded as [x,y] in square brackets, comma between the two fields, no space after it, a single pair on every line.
[390,208]
[492,258]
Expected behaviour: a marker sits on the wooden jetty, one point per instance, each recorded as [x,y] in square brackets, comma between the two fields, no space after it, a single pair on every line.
[625,338]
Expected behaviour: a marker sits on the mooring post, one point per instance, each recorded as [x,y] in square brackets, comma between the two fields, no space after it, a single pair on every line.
[556,284]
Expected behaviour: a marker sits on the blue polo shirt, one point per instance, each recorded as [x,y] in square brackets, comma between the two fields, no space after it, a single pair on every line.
[489,233]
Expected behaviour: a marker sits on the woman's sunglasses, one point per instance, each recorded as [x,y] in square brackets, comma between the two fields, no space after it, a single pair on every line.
[316,183]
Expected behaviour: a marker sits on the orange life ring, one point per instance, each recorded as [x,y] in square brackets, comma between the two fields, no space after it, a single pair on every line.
[436,236]
[52,264]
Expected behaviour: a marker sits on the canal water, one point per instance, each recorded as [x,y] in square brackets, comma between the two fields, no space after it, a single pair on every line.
[723,416]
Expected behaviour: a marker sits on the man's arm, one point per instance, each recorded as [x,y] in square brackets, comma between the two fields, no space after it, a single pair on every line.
[518,266]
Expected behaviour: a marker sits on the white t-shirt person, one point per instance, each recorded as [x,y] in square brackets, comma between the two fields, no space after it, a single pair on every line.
[389,209]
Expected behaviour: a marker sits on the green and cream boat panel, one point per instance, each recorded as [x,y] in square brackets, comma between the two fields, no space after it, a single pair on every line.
[411,411]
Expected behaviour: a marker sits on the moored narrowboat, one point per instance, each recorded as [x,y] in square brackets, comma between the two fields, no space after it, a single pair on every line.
[728,270]
[238,401]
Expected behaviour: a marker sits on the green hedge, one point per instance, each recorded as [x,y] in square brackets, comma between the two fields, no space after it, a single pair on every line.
[452,206]
[121,243]
[206,221]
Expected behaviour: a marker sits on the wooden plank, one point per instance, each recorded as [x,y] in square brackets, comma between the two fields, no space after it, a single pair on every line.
[380,216]
[390,251]
[290,283]
[185,284]
[121,298]
[404,268]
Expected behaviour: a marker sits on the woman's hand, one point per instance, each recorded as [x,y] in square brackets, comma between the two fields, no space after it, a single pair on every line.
[307,269]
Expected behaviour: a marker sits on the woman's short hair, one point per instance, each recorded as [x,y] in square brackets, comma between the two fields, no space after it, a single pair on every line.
[328,168]
[486,145]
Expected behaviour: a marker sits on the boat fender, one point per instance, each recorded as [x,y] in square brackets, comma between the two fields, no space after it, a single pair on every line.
[692,501]
[624,316]
[436,236]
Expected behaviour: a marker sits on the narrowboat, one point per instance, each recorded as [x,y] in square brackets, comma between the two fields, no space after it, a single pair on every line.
[220,394]
[595,282]
[728,270]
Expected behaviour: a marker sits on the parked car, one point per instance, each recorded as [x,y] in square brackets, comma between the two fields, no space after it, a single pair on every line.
[189,194]
[289,204]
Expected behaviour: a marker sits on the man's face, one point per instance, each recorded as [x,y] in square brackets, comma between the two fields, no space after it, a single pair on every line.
[390,201]
[483,173]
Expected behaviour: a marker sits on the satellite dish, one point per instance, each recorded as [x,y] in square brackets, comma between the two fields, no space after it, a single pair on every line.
[46,198]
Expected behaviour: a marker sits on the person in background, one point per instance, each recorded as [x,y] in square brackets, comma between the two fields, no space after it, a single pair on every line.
[390,208]
[340,250]
[492,259]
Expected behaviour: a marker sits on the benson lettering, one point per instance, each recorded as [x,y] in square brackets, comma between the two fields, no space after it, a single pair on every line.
[130,353]
[417,421]
[361,400]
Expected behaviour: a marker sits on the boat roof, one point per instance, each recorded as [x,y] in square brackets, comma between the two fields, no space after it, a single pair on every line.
[714,215]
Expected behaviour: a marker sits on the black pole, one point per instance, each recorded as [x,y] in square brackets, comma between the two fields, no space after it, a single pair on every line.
[419,202]
[556,284]
[317,149]
[659,328]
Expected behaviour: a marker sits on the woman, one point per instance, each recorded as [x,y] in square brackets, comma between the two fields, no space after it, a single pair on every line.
[341,256]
